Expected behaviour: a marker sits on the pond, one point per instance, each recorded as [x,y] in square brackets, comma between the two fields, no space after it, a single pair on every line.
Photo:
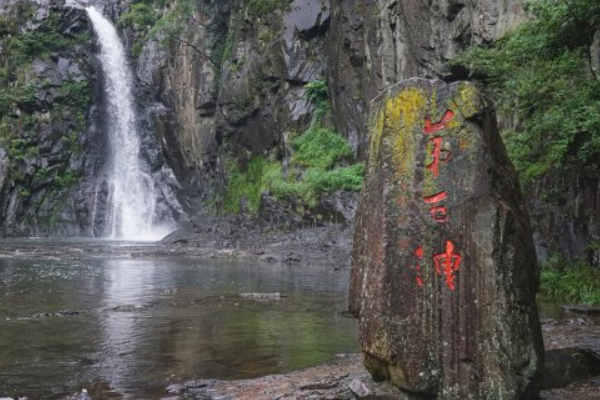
[131,327]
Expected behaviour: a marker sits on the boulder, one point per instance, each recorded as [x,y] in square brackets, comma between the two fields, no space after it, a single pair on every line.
[444,269]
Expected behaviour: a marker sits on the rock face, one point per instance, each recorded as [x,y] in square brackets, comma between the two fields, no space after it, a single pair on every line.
[243,97]
[378,43]
[444,268]
[565,211]
[49,86]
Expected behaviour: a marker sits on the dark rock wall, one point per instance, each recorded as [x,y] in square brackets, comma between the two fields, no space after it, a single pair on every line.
[565,210]
[49,121]
[243,95]
[378,43]
[258,101]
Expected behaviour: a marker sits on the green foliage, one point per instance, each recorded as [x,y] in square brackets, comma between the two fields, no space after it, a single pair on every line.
[314,173]
[6,101]
[578,283]
[320,148]
[18,149]
[143,17]
[72,139]
[228,47]
[26,96]
[7,25]
[48,38]
[150,24]
[22,112]
[170,27]
[541,74]
[42,174]
[316,156]
[343,178]
[33,44]
[262,8]
[316,165]
[22,95]
[66,179]
[140,16]
[244,186]
[75,94]
[312,184]
[17,87]
[317,93]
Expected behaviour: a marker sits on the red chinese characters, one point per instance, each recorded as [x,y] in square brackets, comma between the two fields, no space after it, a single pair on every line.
[447,263]
[438,213]
[438,126]
[438,154]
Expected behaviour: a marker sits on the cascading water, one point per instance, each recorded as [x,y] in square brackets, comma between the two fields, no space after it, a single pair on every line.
[132,198]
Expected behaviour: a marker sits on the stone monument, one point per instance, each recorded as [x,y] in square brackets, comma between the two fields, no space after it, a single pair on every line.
[444,270]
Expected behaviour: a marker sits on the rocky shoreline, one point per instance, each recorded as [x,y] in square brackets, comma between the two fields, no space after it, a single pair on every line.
[235,238]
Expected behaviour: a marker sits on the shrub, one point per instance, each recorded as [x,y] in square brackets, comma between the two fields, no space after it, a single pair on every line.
[244,185]
[320,148]
[314,173]
[317,93]
[75,94]
[140,16]
[570,282]
[262,8]
[66,179]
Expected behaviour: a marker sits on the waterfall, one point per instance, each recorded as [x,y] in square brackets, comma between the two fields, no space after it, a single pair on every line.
[132,198]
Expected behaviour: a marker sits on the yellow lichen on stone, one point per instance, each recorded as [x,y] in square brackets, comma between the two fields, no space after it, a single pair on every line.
[404,114]
[455,123]
[434,103]
[468,100]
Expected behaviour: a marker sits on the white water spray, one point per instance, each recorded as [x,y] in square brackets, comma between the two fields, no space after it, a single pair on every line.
[132,198]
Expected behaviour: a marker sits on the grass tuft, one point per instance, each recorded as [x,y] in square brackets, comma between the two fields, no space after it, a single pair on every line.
[570,282]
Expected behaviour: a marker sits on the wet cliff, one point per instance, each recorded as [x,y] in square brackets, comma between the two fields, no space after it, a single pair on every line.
[225,89]
[232,86]
[49,91]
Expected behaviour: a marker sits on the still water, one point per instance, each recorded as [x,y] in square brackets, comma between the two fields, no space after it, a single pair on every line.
[133,327]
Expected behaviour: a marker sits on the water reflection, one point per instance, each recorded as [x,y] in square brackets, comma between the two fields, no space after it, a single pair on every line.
[128,286]
[139,325]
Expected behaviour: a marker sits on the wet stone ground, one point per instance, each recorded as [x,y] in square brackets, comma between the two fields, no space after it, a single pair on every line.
[327,246]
